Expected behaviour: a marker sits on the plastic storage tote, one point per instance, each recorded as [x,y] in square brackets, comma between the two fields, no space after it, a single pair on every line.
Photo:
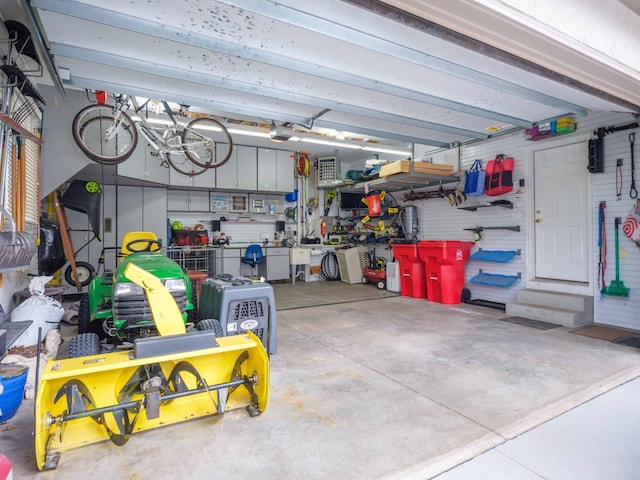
[351,263]
[13,379]
[444,262]
[412,272]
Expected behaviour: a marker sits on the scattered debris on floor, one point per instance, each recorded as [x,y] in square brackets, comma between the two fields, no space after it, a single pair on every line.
[52,342]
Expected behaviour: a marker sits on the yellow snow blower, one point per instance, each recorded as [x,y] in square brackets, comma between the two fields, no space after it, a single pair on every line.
[164,379]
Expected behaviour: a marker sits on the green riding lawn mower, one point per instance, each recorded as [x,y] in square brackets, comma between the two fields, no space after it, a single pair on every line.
[137,363]
[115,311]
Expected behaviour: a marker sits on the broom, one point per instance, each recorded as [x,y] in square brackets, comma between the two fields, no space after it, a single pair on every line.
[616,288]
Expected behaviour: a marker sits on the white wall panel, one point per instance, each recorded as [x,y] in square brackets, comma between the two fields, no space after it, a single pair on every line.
[611,310]
[440,221]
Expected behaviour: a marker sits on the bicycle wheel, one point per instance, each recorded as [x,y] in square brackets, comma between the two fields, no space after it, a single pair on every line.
[181,164]
[207,142]
[101,137]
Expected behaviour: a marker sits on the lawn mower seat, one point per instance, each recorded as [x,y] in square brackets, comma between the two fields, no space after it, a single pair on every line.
[143,242]
[253,256]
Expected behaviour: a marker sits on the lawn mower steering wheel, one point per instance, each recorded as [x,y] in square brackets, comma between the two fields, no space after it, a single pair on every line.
[148,247]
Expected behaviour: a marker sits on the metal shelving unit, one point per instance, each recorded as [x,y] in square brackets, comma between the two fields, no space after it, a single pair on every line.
[201,258]
[397,182]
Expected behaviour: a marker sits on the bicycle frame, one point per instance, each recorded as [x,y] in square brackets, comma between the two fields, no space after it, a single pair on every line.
[162,140]
[108,134]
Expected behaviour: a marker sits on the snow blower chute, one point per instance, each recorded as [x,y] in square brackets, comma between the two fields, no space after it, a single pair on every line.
[164,379]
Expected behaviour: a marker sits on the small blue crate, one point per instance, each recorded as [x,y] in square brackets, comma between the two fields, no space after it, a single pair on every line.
[291,197]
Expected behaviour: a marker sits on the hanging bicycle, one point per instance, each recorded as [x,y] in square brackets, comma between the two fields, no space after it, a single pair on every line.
[107,134]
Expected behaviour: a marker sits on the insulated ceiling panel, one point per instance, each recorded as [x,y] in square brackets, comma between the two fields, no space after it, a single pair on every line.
[358,66]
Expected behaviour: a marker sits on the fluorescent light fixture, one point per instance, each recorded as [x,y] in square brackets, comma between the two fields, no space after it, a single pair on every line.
[254,133]
[249,133]
[386,150]
[333,144]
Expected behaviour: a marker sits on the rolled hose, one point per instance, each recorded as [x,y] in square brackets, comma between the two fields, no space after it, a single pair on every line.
[329,270]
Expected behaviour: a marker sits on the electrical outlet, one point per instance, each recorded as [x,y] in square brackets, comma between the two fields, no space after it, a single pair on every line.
[619,162]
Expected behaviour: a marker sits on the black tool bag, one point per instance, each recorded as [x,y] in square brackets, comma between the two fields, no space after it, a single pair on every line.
[50,251]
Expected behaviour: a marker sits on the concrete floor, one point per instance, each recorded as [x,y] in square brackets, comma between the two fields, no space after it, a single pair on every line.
[390,387]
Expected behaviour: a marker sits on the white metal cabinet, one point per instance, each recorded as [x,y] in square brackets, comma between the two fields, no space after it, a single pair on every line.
[275,170]
[178,200]
[229,260]
[227,174]
[267,170]
[285,164]
[143,166]
[142,209]
[155,171]
[177,179]
[241,170]
[134,166]
[277,263]
[188,200]
[206,179]
[199,201]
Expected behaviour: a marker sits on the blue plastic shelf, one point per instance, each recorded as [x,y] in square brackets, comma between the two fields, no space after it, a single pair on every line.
[502,256]
[495,280]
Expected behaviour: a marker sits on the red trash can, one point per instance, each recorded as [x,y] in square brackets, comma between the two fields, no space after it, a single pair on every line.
[444,261]
[412,273]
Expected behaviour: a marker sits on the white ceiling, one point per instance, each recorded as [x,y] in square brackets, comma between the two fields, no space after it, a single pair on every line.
[362,66]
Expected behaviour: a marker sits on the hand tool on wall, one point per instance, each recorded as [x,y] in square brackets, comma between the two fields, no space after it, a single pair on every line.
[633,193]
[619,179]
[602,244]
[330,195]
[616,288]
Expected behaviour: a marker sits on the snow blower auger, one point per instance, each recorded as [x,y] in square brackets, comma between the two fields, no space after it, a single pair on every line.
[164,379]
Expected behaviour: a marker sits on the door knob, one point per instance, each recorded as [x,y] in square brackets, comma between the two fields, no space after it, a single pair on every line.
[538,220]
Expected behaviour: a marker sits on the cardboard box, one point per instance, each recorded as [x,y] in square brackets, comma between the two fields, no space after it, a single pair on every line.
[404,166]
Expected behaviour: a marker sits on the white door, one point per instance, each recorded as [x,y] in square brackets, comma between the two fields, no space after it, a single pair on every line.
[561,213]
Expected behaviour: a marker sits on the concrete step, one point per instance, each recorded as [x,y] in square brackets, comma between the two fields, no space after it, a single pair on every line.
[561,316]
[569,301]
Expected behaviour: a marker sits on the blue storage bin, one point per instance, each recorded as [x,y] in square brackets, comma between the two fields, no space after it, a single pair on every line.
[13,379]
[291,197]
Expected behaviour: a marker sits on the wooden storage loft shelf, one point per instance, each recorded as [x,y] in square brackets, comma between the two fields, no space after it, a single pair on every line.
[407,181]
[398,182]
[19,128]
[402,175]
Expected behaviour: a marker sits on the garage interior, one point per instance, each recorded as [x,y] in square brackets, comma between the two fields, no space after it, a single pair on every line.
[427,376]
